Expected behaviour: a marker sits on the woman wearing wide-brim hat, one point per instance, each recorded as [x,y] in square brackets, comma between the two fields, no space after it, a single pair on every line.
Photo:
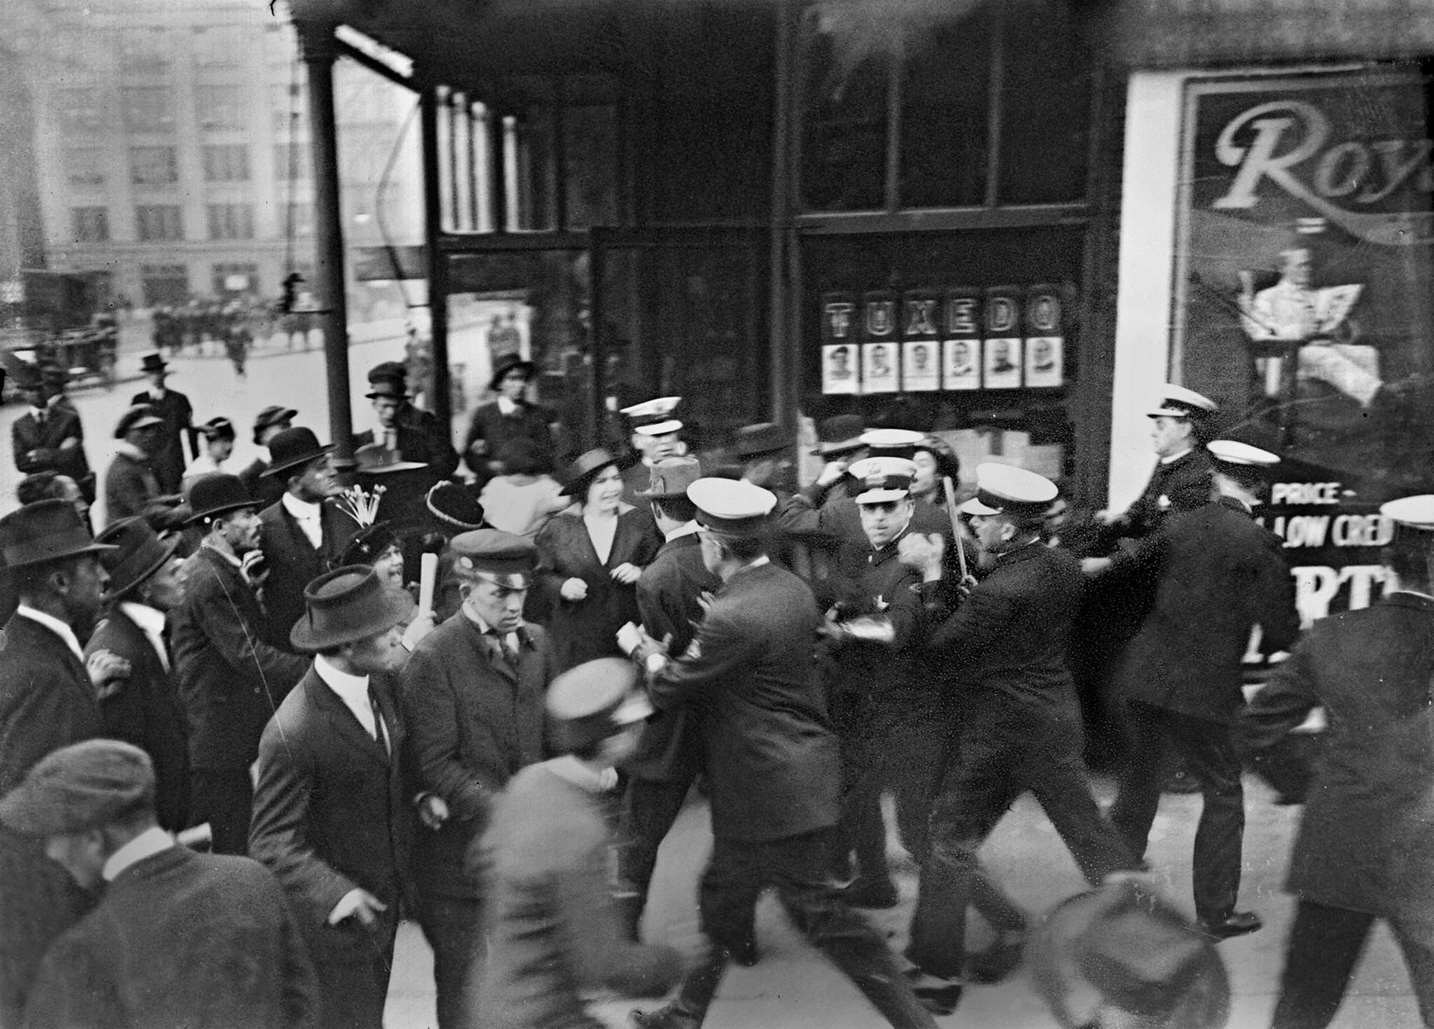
[591,557]
[510,415]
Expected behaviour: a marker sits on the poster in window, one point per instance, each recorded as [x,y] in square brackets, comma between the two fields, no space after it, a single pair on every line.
[1045,344]
[881,335]
[878,367]
[921,346]
[840,363]
[1304,281]
[961,346]
[1002,346]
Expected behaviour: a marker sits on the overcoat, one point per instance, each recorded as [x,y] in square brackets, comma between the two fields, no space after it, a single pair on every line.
[770,756]
[131,487]
[1218,574]
[491,428]
[420,438]
[37,447]
[181,940]
[178,415]
[144,709]
[1180,485]
[293,562]
[586,629]
[1364,838]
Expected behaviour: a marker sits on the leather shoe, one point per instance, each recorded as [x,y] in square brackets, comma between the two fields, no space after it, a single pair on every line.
[1236,923]
[870,893]
[663,1018]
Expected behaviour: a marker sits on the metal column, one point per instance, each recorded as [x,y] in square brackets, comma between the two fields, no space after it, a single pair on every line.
[442,400]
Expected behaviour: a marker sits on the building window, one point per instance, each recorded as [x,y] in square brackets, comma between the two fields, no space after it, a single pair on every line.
[144,51]
[231,221]
[157,222]
[148,108]
[220,107]
[291,161]
[164,284]
[300,221]
[288,108]
[153,165]
[85,166]
[235,278]
[90,224]
[80,108]
[228,163]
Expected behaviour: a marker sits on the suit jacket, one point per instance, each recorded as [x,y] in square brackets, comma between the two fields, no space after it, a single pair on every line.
[46,702]
[420,438]
[180,941]
[1218,574]
[1364,838]
[169,459]
[586,629]
[1182,485]
[37,447]
[473,721]
[131,487]
[145,710]
[331,804]
[771,756]
[670,746]
[230,680]
[293,563]
[490,429]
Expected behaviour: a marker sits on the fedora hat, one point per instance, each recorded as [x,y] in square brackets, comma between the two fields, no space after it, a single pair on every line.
[506,364]
[140,553]
[153,363]
[377,459]
[295,447]
[839,434]
[584,469]
[347,605]
[54,375]
[761,439]
[27,376]
[215,494]
[670,478]
[269,416]
[46,530]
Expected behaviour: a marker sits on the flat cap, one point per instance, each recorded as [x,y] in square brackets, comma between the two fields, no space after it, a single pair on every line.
[731,507]
[761,439]
[885,479]
[1006,489]
[501,557]
[595,700]
[1179,402]
[80,787]
[274,414]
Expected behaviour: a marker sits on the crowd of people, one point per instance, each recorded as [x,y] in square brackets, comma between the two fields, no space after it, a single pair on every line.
[384,691]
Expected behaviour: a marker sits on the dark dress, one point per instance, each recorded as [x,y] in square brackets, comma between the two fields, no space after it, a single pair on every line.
[586,629]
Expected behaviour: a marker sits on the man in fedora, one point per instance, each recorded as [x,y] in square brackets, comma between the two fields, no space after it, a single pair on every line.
[508,416]
[131,486]
[47,700]
[49,436]
[332,817]
[406,431]
[142,706]
[669,750]
[177,938]
[304,532]
[230,680]
[544,858]
[473,700]
[176,420]
[268,423]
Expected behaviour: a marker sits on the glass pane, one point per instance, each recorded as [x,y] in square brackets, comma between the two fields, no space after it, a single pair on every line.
[945,100]
[592,166]
[1045,104]
[844,119]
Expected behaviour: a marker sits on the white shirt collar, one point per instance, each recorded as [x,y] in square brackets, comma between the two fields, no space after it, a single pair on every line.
[512,638]
[1175,457]
[685,529]
[506,406]
[151,623]
[156,394]
[152,841]
[39,412]
[56,626]
[351,689]
[581,775]
[303,510]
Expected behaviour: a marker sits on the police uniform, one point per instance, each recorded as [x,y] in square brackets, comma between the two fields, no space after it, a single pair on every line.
[653,420]
[1178,483]
[771,760]
[1018,730]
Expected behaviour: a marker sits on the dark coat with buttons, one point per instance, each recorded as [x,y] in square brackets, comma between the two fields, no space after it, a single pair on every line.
[293,562]
[1182,485]
[230,680]
[491,428]
[473,721]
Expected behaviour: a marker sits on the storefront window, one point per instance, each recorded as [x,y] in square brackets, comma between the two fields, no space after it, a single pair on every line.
[844,118]
[945,114]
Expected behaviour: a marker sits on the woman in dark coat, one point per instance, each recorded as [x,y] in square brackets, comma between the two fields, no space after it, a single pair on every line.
[591,556]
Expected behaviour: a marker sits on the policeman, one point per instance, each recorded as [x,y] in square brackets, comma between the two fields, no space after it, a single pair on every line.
[1019,728]
[771,761]
[656,435]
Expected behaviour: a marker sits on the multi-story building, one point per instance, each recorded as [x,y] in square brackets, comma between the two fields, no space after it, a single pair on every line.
[171,142]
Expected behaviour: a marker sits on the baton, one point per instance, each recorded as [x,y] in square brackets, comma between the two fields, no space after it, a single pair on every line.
[427,580]
[955,517]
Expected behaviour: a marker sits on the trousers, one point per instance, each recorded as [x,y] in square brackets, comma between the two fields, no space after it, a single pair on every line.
[223,797]
[453,928]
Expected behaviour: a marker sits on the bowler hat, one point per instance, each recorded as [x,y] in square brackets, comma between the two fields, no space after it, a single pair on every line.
[215,494]
[509,363]
[389,379]
[377,459]
[584,469]
[501,557]
[595,700]
[347,605]
[839,434]
[670,477]
[760,439]
[454,506]
[46,530]
[153,363]
[82,786]
[140,416]
[293,448]
[270,416]
[141,553]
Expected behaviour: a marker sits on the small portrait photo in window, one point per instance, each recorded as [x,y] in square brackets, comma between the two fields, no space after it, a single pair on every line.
[1003,363]
[839,368]
[1043,361]
[878,368]
[920,368]
[962,363]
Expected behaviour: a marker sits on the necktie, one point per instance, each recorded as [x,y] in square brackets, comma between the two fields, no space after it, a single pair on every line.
[506,652]
[378,731]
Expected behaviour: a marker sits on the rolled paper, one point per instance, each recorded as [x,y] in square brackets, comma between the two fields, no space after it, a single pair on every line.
[427,581]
